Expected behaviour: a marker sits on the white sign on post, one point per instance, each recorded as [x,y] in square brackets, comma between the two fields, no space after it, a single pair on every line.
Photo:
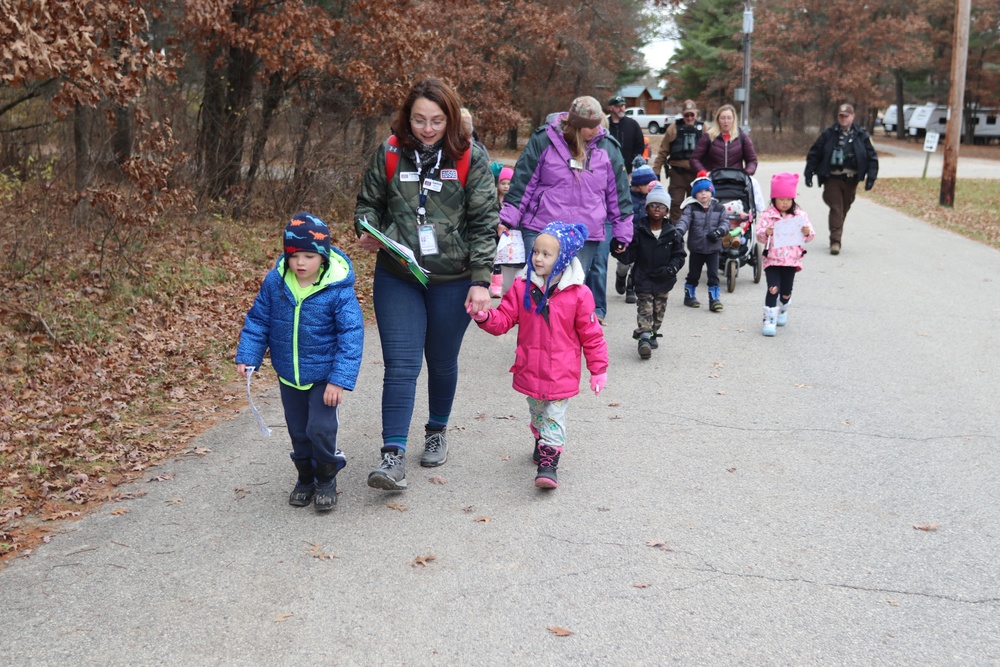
[931,141]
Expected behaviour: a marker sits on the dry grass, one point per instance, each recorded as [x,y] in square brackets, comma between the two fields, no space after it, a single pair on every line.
[976,214]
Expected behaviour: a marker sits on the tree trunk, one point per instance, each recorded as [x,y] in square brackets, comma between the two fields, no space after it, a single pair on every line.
[512,138]
[272,98]
[900,114]
[83,166]
[122,140]
[210,127]
[239,77]
[302,179]
[368,127]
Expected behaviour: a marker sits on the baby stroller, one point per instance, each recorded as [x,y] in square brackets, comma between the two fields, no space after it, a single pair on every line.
[735,190]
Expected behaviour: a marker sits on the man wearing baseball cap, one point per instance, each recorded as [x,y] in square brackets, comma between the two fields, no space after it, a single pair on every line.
[841,158]
[625,130]
[675,156]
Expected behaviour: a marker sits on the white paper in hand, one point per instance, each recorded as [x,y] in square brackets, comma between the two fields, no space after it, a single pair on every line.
[260,420]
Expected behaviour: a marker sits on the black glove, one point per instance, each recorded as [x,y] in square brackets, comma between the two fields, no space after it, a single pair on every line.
[714,235]
[809,181]
[671,271]
[869,184]
[617,247]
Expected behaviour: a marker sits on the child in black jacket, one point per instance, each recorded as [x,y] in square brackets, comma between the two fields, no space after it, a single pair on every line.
[657,250]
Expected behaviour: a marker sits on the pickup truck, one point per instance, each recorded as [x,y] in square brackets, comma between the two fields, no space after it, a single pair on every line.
[654,123]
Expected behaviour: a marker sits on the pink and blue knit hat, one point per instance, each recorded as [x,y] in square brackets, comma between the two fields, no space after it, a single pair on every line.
[571,236]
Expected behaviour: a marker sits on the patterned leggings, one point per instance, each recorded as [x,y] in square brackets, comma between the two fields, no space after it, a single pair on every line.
[548,421]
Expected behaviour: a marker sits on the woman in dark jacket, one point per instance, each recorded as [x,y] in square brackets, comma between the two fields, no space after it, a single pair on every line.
[723,145]
[431,190]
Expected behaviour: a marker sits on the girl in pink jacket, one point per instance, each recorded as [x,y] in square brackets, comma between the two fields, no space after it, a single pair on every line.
[554,311]
[783,228]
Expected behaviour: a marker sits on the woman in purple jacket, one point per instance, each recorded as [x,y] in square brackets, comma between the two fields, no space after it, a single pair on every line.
[723,145]
[571,170]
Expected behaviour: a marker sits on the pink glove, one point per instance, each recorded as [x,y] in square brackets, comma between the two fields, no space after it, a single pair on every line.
[597,382]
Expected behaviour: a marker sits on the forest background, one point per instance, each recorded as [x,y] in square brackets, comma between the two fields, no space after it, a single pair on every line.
[151,151]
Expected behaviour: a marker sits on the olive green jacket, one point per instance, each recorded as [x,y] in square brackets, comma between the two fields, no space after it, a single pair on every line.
[464,218]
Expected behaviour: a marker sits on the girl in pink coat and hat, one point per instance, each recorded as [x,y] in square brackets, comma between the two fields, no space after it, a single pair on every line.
[783,230]
[554,313]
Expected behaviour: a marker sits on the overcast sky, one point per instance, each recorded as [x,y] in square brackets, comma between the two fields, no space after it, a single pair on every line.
[658,53]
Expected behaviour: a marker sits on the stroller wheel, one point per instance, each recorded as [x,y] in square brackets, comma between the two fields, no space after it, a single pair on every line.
[732,268]
[757,264]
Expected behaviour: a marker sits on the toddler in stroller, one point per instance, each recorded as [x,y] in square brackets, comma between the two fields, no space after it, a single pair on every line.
[739,195]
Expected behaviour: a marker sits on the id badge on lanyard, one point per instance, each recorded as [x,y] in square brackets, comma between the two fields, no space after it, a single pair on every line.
[425,231]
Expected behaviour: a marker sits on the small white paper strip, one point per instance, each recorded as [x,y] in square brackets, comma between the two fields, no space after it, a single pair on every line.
[256,415]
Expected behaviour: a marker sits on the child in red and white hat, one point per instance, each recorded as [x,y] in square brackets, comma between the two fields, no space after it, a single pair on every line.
[784,228]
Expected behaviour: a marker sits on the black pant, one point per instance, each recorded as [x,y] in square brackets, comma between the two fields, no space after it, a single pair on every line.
[312,425]
[711,262]
[781,277]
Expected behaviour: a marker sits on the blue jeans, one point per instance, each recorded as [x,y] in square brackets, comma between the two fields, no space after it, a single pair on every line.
[414,323]
[597,276]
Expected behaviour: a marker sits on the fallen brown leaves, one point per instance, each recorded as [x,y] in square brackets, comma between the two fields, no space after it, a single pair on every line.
[659,544]
[423,561]
[112,361]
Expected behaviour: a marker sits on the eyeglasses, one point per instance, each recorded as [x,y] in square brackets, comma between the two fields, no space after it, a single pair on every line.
[436,124]
[690,115]
[660,207]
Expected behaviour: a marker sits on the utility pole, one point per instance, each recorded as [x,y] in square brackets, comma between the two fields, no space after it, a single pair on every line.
[747,31]
[956,96]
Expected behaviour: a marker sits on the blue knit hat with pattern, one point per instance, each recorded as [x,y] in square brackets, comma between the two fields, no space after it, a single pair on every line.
[571,236]
[307,233]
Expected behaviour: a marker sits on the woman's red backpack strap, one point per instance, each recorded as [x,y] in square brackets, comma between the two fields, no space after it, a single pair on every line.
[392,161]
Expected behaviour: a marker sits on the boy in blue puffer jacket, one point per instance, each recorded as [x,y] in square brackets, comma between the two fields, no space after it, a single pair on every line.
[308,315]
[705,222]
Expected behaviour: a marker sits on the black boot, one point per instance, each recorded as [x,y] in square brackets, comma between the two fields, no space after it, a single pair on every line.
[326,486]
[630,289]
[548,462]
[305,487]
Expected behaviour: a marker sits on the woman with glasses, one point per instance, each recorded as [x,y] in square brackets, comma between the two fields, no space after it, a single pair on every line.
[678,144]
[431,190]
[724,145]
[571,171]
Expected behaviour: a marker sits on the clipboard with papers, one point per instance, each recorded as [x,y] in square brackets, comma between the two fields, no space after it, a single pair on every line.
[398,251]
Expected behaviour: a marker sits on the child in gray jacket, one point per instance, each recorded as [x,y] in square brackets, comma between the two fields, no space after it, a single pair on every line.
[704,221]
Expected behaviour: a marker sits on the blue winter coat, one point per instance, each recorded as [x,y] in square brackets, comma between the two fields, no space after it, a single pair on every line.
[318,340]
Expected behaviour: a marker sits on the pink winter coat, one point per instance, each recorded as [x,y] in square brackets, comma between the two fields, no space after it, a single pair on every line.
[789,255]
[548,355]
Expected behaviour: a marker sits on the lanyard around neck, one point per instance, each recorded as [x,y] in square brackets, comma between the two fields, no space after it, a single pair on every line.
[421,209]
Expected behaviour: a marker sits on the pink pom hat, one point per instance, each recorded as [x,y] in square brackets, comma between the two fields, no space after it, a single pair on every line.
[784,185]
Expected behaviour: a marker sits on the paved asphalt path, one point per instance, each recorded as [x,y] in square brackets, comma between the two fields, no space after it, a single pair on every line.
[734,500]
